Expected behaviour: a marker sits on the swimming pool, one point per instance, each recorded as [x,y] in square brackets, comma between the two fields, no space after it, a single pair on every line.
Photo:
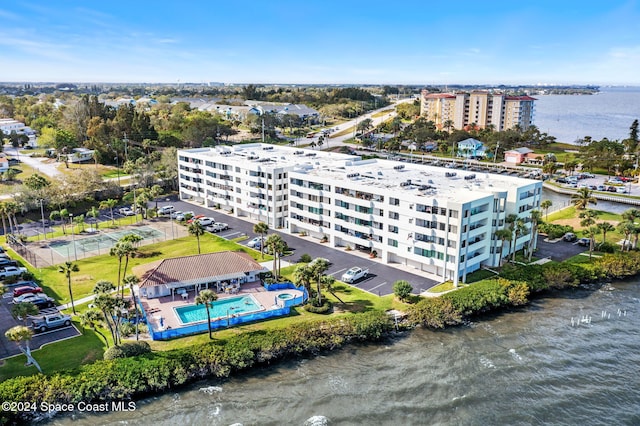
[221,308]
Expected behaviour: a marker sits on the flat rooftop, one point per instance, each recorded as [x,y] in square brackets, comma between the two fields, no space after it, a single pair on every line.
[421,180]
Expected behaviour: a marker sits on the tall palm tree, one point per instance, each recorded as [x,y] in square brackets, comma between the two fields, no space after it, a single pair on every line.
[94,213]
[605,227]
[588,217]
[276,246]
[119,250]
[155,192]
[582,198]
[109,204]
[198,230]
[131,281]
[106,304]
[67,268]
[536,217]
[503,235]
[545,205]
[22,336]
[328,281]
[518,230]
[591,232]
[262,229]
[510,220]
[626,228]
[3,215]
[318,268]
[92,318]
[206,298]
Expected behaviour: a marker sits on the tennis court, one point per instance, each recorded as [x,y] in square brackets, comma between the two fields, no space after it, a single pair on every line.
[101,242]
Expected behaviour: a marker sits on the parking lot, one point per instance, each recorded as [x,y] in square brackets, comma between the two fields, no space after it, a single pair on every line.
[381,277]
[8,348]
[558,250]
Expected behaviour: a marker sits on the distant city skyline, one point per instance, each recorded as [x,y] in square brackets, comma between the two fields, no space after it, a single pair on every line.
[349,42]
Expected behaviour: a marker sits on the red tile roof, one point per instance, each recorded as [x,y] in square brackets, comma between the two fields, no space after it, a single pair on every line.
[440,96]
[214,266]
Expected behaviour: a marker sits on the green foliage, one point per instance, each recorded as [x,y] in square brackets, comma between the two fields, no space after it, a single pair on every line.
[479,297]
[305,258]
[325,308]
[402,289]
[434,312]
[607,247]
[554,230]
[619,265]
[127,378]
[127,349]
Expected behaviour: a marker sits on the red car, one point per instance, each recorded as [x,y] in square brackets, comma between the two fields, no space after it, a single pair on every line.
[25,289]
[200,216]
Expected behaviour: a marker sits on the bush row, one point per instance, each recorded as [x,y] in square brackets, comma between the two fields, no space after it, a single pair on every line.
[127,378]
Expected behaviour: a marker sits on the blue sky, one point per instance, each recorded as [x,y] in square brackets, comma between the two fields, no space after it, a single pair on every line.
[246,41]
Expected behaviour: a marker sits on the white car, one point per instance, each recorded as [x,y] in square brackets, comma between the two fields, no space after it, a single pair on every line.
[217,227]
[206,221]
[126,211]
[354,274]
[180,216]
[164,210]
[255,243]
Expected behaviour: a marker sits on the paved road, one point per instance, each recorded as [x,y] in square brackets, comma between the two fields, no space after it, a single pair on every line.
[379,282]
[48,169]
[558,250]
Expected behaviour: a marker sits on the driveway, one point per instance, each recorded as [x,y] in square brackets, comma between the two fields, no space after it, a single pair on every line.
[381,277]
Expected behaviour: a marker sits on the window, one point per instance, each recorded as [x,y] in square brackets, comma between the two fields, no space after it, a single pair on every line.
[392,243]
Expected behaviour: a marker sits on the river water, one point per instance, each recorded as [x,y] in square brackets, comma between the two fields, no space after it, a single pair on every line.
[607,114]
[530,366]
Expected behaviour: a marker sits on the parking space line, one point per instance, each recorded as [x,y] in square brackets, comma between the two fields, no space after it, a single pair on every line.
[338,271]
[379,285]
[56,329]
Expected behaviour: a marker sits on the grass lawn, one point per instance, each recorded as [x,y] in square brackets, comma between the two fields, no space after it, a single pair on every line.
[346,131]
[479,275]
[445,286]
[572,213]
[24,171]
[381,113]
[64,355]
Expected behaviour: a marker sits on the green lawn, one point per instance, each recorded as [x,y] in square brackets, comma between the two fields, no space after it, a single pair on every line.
[571,212]
[24,171]
[64,355]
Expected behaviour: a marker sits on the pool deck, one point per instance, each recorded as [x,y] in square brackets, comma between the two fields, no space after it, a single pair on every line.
[162,307]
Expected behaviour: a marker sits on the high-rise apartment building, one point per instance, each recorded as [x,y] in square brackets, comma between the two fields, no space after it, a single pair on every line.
[436,220]
[456,111]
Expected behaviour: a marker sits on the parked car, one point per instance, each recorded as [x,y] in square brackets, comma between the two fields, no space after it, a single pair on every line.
[12,271]
[255,243]
[176,213]
[206,221]
[354,274]
[40,299]
[601,188]
[217,227]
[584,242]
[570,236]
[126,211]
[621,190]
[25,289]
[194,218]
[49,322]
[562,180]
[183,216]
[165,210]
[611,189]
[7,262]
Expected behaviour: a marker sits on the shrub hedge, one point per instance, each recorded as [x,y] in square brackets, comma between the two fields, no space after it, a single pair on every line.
[128,378]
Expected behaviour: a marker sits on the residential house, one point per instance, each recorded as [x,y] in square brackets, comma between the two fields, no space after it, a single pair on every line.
[517,156]
[471,148]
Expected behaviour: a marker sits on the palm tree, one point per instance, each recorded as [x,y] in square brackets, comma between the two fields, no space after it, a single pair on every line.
[92,319]
[582,198]
[518,230]
[21,311]
[22,336]
[67,268]
[591,232]
[3,214]
[328,281]
[303,276]
[545,205]
[79,220]
[588,217]
[536,217]
[131,281]
[197,231]
[109,204]
[511,221]
[503,235]
[206,298]
[94,213]
[318,268]
[605,227]
[262,229]
[626,228]
[106,303]
[276,246]
[549,168]
[155,192]
[119,250]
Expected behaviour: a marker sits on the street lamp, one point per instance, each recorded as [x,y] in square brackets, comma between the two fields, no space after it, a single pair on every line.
[44,230]
[73,237]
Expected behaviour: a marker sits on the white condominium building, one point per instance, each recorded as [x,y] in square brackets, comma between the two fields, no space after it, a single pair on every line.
[455,111]
[434,219]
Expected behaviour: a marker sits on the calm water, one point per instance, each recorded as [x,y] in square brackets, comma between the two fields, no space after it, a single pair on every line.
[526,367]
[607,114]
[559,201]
